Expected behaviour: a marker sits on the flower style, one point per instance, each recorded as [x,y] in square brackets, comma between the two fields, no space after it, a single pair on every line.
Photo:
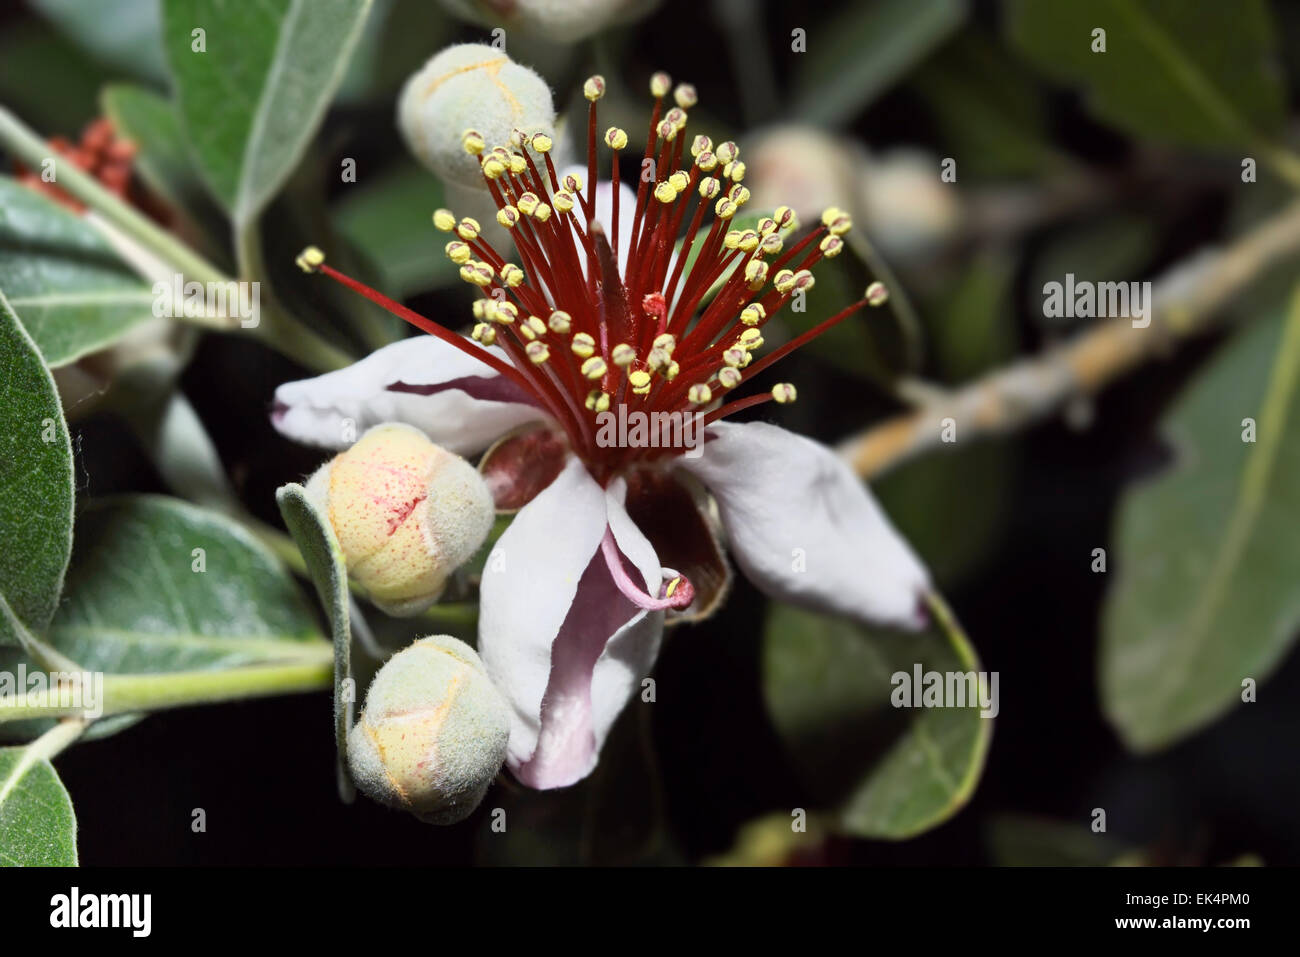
[602,315]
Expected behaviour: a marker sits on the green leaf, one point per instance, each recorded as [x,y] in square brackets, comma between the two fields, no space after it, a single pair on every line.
[1206,555]
[163,160]
[143,599]
[37,826]
[251,101]
[36,484]
[61,276]
[1192,72]
[856,55]
[328,571]
[885,772]
[389,221]
[126,36]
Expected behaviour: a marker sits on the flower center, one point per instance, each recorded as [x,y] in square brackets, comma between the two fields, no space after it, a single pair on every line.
[652,323]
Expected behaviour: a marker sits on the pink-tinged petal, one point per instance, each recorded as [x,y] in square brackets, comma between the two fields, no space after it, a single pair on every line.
[805,529]
[519,466]
[560,640]
[459,402]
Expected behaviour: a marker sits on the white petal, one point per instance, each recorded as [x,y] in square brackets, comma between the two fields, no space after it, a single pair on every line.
[558,639]
[605,213]
[473,406]
[805,529]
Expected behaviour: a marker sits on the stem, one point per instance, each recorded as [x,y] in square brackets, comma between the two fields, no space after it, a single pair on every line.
[1031,389]
[53,742]
[281,331]
[125,693]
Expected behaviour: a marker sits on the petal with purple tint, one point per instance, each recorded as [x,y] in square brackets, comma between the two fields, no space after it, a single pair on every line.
[459,402]
[805,529]
[519,466]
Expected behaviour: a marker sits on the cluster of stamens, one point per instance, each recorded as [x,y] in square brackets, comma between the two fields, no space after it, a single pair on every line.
[668,324]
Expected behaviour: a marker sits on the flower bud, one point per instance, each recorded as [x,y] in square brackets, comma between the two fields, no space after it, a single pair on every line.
[406,514]
[470,87]
[558,21]
[433,734]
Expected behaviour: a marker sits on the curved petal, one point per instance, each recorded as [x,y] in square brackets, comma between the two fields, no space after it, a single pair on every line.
[805,529]
[558,638]
[460,403]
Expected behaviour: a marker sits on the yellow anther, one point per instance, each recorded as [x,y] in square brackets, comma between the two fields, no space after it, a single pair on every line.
[507,216]
[594,367]
[658,359]
[671,370]
[754,313]
[473,142]
[444,220]
[480,309]
[804,280]
[597,401]
[572,183]
[877,294]
[728,152]
[660,84]
[748,241]
[527,332]
[665,341]
[583,345]
[310,259]
[739,194]
[731,238]
[729,377]
[468,229]
[734,171]
[755,273]
[518,164]
[707,162]
[735,357]
[831,246]
[771,244]
[701,144]
[517,138]
[837,221]
[542,143]
[472,275]
[542,213]
[679,180]
[484,333]
[536,325]
[699,394]
[785,218]
[563,200]
[665,192]
[494,167]
[512,275]
[766,226]
[685,96]
[622,354]
[528,203]
[710,188]
[784,393]
[724,208]
[615,138]
[504,313]
[458,252]
[537,352]
[667,130]
[677,117]
[639,380]
[594,88]
[750,340]
[560,322]
[784,281]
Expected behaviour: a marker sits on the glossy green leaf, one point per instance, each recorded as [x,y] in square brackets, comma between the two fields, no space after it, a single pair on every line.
[251,100]
[1206,555]
[328,571]
[1195,72]
[62,278]
[158,585]
[883,772]
[856,54]
[37,825]
[36,484]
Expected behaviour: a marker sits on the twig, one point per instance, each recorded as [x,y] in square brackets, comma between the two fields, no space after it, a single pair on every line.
[1184,302]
